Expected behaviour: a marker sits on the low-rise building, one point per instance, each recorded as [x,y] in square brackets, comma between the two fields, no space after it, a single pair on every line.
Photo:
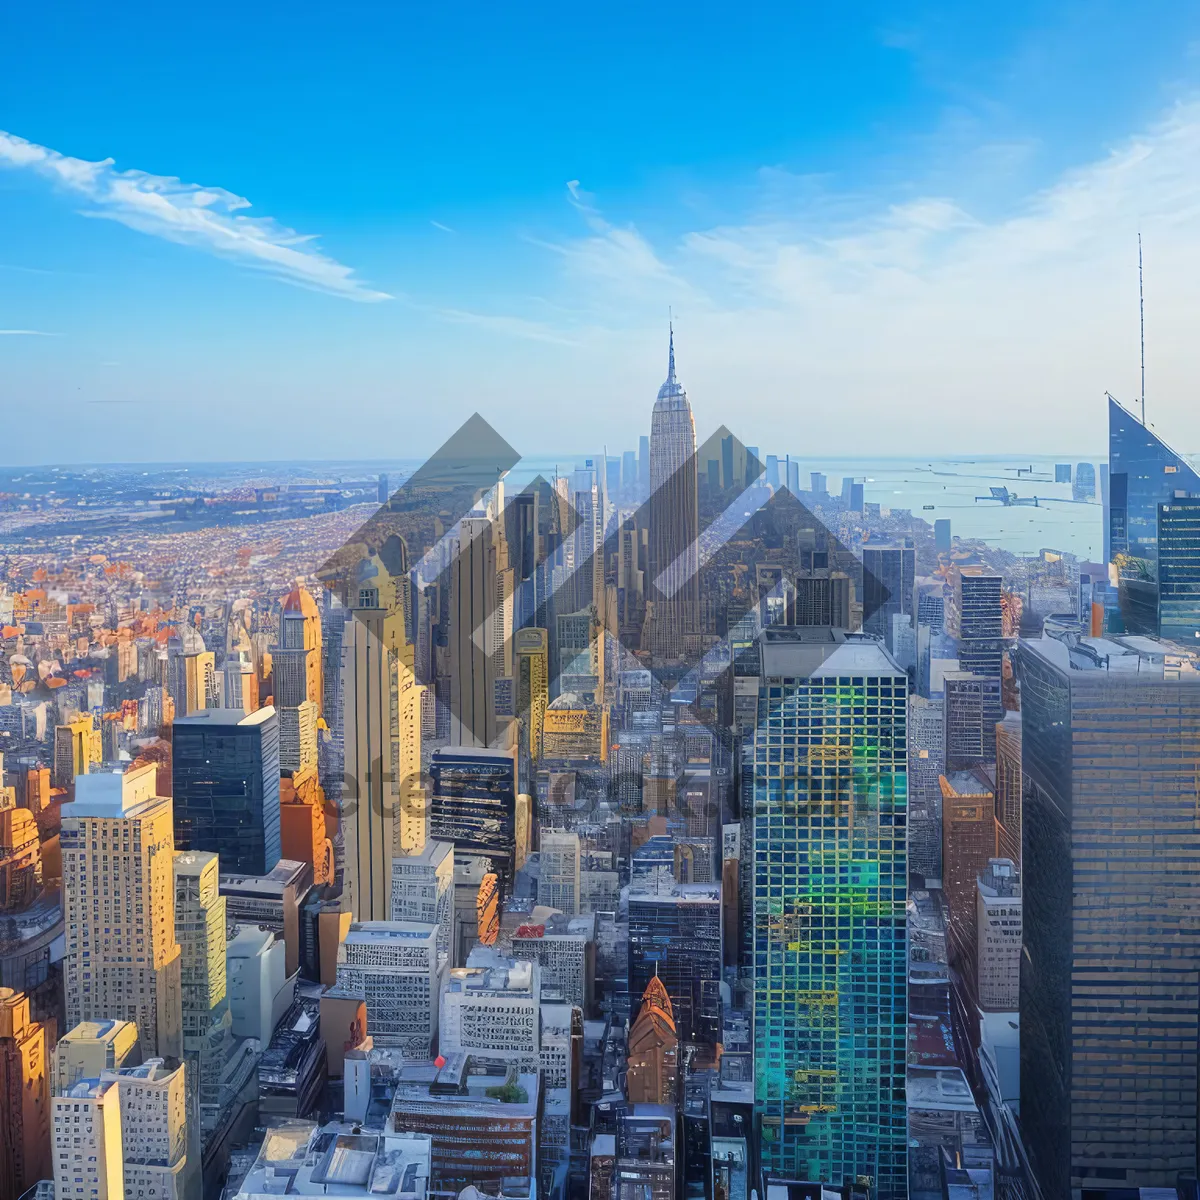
[482,1118]
[301,1158]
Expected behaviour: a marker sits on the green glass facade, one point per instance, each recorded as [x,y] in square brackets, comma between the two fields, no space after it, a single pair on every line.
[830,877]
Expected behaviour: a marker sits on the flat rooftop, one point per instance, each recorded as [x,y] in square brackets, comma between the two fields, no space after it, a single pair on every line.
[287,872]
[227,717]
[682,893]
[821,652]
[969,783]
[431,854]
[944,1089]
[1152,659]
[300,1158]
[391,931]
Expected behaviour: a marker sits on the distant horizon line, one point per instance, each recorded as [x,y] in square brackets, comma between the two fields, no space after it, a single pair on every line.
[567,460]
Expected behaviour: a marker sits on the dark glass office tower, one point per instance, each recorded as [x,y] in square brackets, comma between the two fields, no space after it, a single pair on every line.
[521,534]
[1110,976]
[1179,571]
[888,573]
[474,804]
[1143,472]
[225,776]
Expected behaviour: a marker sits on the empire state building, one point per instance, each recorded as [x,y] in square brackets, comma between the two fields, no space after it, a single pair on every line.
[673,585]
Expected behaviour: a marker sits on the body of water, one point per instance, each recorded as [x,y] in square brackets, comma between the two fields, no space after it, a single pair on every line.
[947,488]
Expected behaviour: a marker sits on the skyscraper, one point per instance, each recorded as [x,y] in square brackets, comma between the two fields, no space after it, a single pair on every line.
[91,1168]
[521,536]
[24,1095]
[1110,975]
[1010,787]
[969,727]
[200,930]
[1179,571]
[653,1062]
[970,839]
[473,576]
[830,961]
[76,750]
[423,890]
[998,937]
[300,630]
[382,797]
[225,779]
[673,585]
[975,619]
[1144,472]
[926,763]
[558,874]
[888,574]
[394,967]
[474,804]
[122,960]
[154,1132]
[531,669]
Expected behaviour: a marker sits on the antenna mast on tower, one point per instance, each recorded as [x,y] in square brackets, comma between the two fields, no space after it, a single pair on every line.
[1142,325]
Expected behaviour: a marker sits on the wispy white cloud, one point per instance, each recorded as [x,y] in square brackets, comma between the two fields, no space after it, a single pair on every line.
[209,218]
[27,333]
[439,225]
[902,322]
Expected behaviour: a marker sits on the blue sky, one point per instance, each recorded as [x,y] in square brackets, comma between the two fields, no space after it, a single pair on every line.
[886,230]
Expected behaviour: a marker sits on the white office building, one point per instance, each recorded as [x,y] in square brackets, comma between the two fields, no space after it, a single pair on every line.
[491,1008]
[558,871]
[394,967]
[423,890]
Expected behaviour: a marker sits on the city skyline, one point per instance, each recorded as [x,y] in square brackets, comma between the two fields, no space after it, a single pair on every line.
[925,216]
[782,798]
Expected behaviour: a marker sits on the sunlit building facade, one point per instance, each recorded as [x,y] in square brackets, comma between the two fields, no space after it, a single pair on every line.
[122,958]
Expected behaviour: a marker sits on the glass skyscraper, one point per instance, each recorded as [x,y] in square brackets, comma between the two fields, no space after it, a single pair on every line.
[1143,471]
[474,804]
[225,776]
[1179,571]
[830,875]
[1110,973]
[888,573]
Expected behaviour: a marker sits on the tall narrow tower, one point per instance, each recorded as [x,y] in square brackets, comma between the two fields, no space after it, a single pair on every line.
[674,522]
[122,960]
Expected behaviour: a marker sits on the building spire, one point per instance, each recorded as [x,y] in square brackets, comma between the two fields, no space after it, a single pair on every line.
[671,352]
